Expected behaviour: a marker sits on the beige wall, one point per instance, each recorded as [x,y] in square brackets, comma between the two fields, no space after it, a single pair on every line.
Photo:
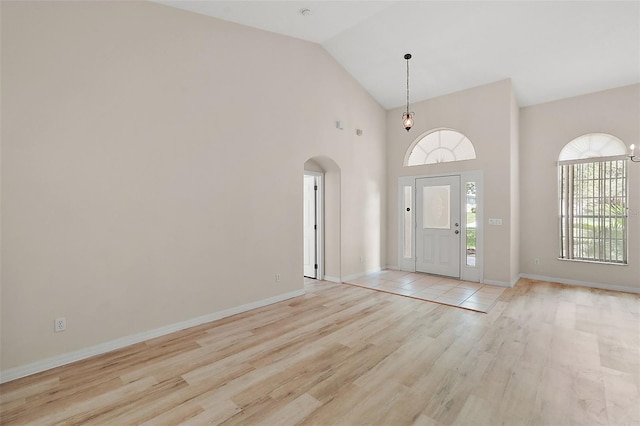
[484,114]
[312,166]
[151,169]
[514,163]
[545,130]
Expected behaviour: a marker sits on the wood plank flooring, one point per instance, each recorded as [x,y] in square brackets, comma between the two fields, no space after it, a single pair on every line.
[546,354]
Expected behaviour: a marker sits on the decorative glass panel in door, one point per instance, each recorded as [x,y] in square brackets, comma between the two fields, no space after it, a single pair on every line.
[436,207]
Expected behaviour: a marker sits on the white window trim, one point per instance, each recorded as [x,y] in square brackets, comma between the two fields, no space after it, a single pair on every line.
[581,159]
[560,190]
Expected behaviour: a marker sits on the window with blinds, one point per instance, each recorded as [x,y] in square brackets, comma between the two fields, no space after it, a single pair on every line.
[593,210]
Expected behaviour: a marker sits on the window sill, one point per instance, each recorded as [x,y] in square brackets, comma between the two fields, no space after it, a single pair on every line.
[594,261]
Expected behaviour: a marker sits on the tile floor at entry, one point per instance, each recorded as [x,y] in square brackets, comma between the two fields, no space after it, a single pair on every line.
[447,291]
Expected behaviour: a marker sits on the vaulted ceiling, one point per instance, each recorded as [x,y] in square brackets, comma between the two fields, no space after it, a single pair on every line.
[549,49]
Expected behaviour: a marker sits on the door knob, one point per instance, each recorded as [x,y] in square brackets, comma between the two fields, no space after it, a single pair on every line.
[457,232]
[457,224]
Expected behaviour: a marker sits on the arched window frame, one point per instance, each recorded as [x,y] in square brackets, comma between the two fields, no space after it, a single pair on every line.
[425,135]
[593,199]
[592,145]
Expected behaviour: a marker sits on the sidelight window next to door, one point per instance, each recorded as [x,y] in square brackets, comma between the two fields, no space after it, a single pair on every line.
[471,212]
[439,225]
[407,229]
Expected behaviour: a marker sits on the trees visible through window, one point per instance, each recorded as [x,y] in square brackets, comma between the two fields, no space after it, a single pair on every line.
[593,199]
[471,223]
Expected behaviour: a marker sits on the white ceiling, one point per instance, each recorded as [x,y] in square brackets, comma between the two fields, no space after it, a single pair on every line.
[549,49]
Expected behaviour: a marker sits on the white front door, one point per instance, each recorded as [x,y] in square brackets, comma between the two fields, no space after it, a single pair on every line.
[438,225]
[310,226]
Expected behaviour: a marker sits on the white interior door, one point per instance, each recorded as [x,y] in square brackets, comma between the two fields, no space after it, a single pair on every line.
[438,225]
[310,227]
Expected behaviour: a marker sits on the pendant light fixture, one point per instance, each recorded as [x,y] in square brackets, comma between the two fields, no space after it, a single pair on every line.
[407,117]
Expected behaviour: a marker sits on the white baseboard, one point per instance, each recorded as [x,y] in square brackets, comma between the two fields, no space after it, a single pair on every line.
[59,360]
[353,277]
[332,279]
[515,280]
[601,286]
[498,283]
[360,274]
[503,283]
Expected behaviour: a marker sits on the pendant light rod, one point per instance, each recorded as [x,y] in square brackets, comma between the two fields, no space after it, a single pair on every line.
[407,117]
[407,57]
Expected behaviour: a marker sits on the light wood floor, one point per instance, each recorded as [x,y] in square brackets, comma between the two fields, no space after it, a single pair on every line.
[546,354]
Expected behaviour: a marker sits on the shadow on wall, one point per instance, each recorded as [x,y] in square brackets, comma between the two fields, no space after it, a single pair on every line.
[332,219]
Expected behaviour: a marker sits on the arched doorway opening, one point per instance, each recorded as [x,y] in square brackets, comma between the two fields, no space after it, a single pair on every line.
[321,234]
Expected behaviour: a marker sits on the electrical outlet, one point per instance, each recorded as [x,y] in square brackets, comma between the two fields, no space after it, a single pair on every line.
[536,261]
[277,278]
[60,324]
[361,260]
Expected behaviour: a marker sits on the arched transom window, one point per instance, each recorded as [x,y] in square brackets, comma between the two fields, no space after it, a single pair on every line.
[440,146]
[592,145]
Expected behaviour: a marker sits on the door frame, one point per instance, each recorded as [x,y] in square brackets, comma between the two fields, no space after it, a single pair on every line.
[467,273]
[443,243]
[319,178]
